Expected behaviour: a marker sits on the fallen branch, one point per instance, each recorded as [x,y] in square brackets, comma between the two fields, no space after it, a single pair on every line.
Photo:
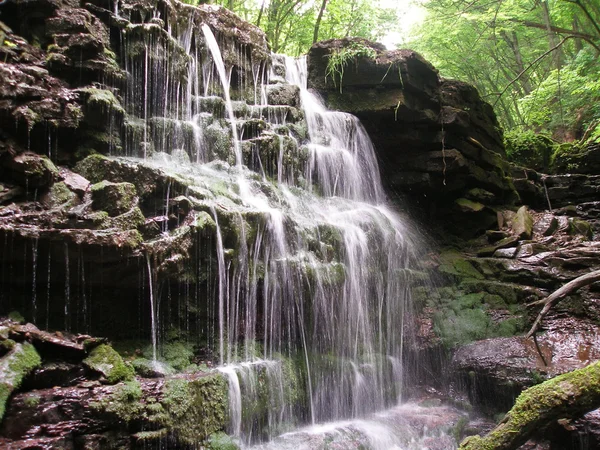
[559,294]
[567,396]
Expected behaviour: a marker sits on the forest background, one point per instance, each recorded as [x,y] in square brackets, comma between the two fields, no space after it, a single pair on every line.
[537,62]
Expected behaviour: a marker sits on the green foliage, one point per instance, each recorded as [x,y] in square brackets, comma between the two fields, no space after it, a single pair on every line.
[289,24]
[567,100]
[221,441]
[340,58]
[535,78]
[529,149]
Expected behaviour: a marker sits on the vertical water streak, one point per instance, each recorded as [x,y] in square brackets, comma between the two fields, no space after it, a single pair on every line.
[215,51]
[153,318]
[34,254]
[67,290]
[222,287]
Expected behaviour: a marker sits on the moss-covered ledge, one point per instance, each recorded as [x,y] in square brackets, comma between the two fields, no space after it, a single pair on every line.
[567,396]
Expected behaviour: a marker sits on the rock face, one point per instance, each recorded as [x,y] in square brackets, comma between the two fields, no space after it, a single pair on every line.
[94,399]
[88,239]
[438,142]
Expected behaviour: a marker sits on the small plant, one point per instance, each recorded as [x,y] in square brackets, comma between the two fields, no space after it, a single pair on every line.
[339,59]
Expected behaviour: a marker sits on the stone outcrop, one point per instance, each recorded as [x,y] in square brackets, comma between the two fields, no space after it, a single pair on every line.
[439,143]
[92,398]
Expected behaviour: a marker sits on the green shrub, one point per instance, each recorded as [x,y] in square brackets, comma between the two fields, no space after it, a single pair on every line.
[529,149]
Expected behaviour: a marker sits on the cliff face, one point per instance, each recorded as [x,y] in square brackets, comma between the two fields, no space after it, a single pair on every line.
[439,144]
[88,235]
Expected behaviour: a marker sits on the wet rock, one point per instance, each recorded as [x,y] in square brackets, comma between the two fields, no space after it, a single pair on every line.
[106,361]
[74,181]
[283,94]
[546,225]
[30,170]
[445,139]
[530,249]
[49,345]
[191,407]
[505,253]
[494,371]
[51,374]
[522,223]
[114,198]
[14,367]
[508,242]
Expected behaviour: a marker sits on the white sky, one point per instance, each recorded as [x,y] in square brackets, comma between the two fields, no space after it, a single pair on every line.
[409,12]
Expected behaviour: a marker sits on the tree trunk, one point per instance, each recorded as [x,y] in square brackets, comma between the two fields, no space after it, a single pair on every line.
[552,39]
[318,22]
[570,395]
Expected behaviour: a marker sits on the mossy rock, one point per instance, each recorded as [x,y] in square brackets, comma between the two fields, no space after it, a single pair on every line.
[522,224]
[580,227]
[222,441]
[195,409]
[16,316]
[529,149]
[148,368]
[58,195]
[467,205]
[462,327]
[114,198]
[32,171]
[106,361]
[130,220]
[455,264]
[14,367]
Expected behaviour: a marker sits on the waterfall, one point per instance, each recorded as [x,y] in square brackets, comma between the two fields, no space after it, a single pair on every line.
[310,286]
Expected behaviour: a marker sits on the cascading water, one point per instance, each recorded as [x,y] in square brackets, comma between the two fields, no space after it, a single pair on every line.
[312,268]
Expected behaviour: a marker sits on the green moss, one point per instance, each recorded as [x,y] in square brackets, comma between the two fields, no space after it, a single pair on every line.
[124,402]
[466,205]
[580,227]
[94,168]
[31,400]
[221,441]
[22,359]
[59,194]
[195,409]
[510,293]
[453,263]
[541,404]
[103,99]
[462,327]
[114,198]
[529,149]
[459,429]
[105,360]
[132,219]
[16,316]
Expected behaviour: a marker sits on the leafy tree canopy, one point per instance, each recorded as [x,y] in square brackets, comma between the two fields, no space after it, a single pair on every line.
[536,61]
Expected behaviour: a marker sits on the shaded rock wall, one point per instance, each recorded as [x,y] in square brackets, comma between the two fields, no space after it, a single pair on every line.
[439,144]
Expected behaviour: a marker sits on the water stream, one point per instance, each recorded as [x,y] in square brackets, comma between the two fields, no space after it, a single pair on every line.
[313,267]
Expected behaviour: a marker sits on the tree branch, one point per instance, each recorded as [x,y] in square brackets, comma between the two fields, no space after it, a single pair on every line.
[559,294]
[570,395]
[538,59]
[556,29]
